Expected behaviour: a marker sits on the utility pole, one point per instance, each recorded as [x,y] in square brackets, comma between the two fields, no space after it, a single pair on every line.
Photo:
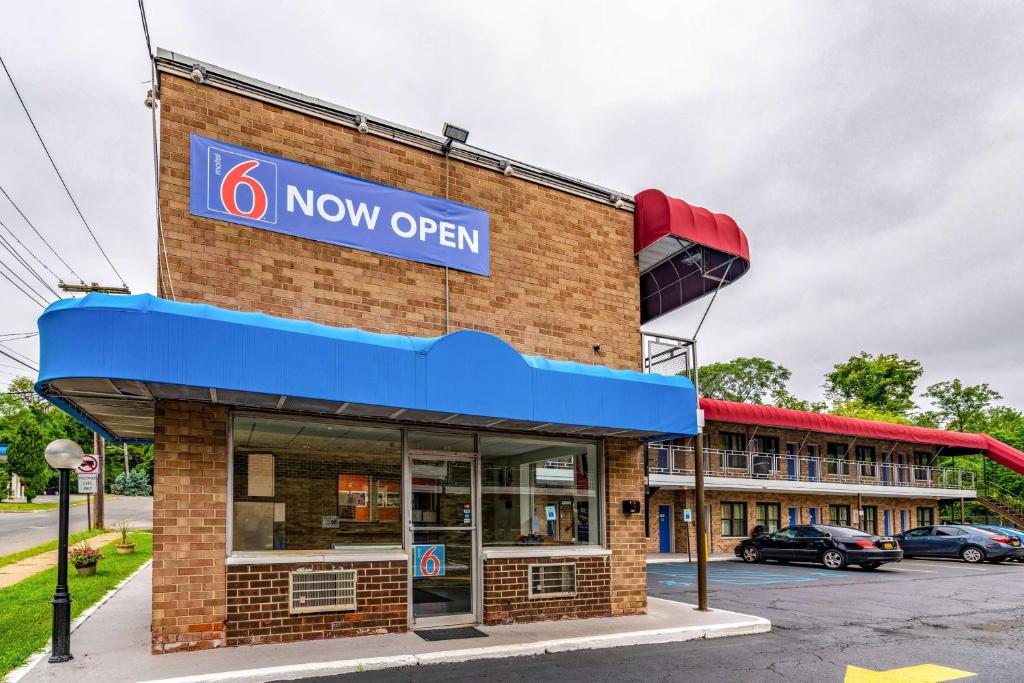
[125,461]
[92,287]
[698,486]
[99,448]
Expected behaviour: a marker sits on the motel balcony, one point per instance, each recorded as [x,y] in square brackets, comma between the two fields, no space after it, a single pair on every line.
[673,467]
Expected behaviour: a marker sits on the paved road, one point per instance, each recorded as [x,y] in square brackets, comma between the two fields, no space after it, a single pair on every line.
[918,612]
[20,530]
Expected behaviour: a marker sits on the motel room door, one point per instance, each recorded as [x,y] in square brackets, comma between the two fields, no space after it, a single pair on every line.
[442,540]
[664,528]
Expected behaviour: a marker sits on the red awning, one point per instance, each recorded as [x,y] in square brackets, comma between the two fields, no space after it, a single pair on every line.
[684,251]
[770,416]
[658,215]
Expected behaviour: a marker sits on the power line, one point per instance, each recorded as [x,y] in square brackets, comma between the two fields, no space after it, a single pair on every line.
[33,299]
[59,176]
[30,252]
[26,265]
[18,335]
[39,234]
[18,360]
[155,98]
[14,273]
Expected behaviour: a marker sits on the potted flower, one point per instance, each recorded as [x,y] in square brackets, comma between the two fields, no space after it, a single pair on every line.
[125,547]
[84,557]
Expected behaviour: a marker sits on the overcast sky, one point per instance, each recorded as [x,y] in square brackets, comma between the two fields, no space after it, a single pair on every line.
[872,152]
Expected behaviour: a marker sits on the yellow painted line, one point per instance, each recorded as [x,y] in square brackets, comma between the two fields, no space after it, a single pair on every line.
[921,673]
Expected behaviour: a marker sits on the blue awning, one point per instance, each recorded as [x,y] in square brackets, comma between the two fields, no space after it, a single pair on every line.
[105,359]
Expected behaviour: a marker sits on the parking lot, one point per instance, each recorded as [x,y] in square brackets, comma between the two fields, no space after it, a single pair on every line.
[943,613]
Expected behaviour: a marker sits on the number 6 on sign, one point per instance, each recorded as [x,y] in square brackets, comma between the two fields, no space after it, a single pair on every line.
[428,560]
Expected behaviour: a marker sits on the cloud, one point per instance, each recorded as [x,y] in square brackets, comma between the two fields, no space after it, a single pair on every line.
[870,151]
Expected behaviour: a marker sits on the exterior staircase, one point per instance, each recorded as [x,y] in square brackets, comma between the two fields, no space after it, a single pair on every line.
[1002,502]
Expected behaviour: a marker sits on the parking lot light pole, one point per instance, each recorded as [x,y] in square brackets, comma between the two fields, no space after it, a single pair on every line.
[63,455]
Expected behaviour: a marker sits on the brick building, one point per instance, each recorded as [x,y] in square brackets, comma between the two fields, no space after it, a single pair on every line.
[771,468]
[393,381]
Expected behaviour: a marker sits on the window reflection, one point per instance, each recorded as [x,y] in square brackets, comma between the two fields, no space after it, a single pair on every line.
[539,492]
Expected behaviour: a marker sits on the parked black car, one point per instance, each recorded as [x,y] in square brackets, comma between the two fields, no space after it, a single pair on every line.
[968,543]
[832,546]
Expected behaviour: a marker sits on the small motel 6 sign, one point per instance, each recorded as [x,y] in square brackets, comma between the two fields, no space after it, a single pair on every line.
[428,560]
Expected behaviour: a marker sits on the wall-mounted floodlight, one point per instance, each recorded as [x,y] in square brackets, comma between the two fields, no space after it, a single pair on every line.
[362,126]
[198,74]
[452,134]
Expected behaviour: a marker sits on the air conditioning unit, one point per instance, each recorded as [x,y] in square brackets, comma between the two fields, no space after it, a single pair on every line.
[332,590]
[552,580]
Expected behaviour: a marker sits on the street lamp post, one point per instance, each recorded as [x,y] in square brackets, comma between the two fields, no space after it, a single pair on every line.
[63,455]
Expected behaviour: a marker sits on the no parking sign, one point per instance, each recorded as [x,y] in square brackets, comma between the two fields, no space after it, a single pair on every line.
[428,560]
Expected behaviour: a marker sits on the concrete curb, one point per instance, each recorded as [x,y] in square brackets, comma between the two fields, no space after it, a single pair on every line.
[670,560]
[20,672]
[749,625]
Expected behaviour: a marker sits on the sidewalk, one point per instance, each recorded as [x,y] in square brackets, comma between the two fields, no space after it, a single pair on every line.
[22,569]
[114,643]
[664,558]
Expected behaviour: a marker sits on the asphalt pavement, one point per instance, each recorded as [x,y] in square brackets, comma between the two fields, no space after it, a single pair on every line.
[20,530]
[918,612]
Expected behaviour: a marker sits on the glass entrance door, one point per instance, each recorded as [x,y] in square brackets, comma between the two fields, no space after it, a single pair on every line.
[442,529]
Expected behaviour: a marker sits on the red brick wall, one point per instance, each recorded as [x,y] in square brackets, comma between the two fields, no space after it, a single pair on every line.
[189,526]
[257,609]
[507,599]
[626,534]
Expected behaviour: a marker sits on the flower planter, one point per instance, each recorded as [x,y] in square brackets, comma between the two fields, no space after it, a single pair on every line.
[125,548]
[87,570]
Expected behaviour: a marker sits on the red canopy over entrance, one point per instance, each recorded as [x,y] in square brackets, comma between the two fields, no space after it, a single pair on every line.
[684,251]
[770,416]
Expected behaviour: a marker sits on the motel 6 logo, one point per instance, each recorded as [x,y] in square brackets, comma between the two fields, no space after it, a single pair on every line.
[241,185]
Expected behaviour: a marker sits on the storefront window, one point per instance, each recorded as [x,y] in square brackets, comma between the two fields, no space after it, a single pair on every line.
[539,492]
[304,485]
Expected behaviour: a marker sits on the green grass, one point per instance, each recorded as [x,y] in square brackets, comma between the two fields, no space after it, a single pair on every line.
[49,545]
[31,507]
[26,610]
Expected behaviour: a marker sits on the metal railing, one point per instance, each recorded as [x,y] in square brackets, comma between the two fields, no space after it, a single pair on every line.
[679,460]
[1006,501]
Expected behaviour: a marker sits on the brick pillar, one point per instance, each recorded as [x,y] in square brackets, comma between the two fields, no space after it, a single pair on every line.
[189,526]
[624,462]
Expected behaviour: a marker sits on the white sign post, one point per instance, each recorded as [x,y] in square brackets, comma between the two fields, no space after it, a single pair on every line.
[88,482]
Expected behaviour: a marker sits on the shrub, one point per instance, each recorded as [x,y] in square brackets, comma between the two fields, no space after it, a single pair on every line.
[135,484]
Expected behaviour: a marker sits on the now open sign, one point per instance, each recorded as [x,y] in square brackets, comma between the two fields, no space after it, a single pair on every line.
[240,185]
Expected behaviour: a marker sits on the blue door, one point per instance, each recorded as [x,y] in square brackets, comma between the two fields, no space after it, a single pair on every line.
[792,517]
[903,520]
[812,514]
[886,466]
[665,528]
[885,522]
[791,464]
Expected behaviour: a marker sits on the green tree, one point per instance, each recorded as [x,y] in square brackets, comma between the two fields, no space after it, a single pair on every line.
[859,410]
[883,382]
[961,408]
[747,380]
[25,455]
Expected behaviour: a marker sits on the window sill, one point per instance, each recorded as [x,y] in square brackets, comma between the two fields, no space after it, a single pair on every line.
[285,557]
[545,551]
